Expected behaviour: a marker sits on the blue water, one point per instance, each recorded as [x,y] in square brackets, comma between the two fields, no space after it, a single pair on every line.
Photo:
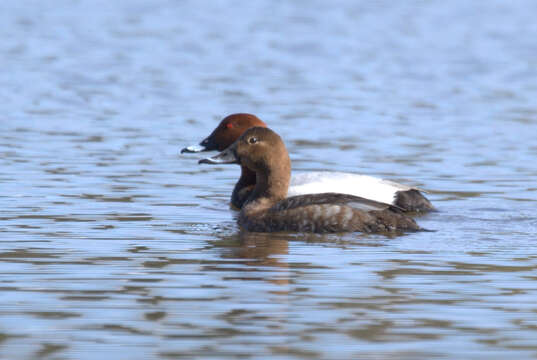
[113,245]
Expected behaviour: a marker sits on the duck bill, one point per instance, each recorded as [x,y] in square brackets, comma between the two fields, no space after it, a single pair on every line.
[194,149]
[227,156]
[206,145]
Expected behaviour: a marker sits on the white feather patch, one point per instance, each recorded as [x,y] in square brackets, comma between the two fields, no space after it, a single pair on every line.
[364,186]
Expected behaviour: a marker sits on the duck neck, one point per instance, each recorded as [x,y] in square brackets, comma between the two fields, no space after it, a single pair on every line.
[240,192]
[271,184]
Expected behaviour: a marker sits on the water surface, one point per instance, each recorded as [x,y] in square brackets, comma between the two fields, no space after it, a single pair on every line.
[112,245]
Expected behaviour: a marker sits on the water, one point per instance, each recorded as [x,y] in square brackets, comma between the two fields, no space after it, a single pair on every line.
[112,245]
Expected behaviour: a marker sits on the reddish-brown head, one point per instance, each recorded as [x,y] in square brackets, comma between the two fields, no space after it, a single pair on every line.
[225,134]
[230,129]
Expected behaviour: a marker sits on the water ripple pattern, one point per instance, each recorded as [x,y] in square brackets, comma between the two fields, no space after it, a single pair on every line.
[113,245]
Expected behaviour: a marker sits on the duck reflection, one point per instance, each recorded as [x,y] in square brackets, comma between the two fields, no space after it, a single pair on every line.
[257,250]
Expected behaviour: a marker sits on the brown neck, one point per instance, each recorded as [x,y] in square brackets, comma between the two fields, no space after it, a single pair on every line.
[240,191]
[247,177]
[272,184]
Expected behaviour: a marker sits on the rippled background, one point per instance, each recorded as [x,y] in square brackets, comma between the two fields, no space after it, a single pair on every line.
[112,245]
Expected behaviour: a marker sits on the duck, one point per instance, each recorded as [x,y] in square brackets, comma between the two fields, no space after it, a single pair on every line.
[408,198]
[269,209]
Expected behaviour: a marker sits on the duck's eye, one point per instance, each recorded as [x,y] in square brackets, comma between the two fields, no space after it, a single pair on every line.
[229,125]
[252,140]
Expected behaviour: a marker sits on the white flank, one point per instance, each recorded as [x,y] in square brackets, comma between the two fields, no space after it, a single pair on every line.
[364,186]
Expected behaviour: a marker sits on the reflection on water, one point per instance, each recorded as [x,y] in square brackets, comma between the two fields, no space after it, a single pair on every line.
[114,245]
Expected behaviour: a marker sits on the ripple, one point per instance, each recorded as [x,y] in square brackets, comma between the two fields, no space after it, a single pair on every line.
[114,245]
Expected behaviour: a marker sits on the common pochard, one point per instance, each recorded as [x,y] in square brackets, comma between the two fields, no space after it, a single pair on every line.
[268,209]
[233,126]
